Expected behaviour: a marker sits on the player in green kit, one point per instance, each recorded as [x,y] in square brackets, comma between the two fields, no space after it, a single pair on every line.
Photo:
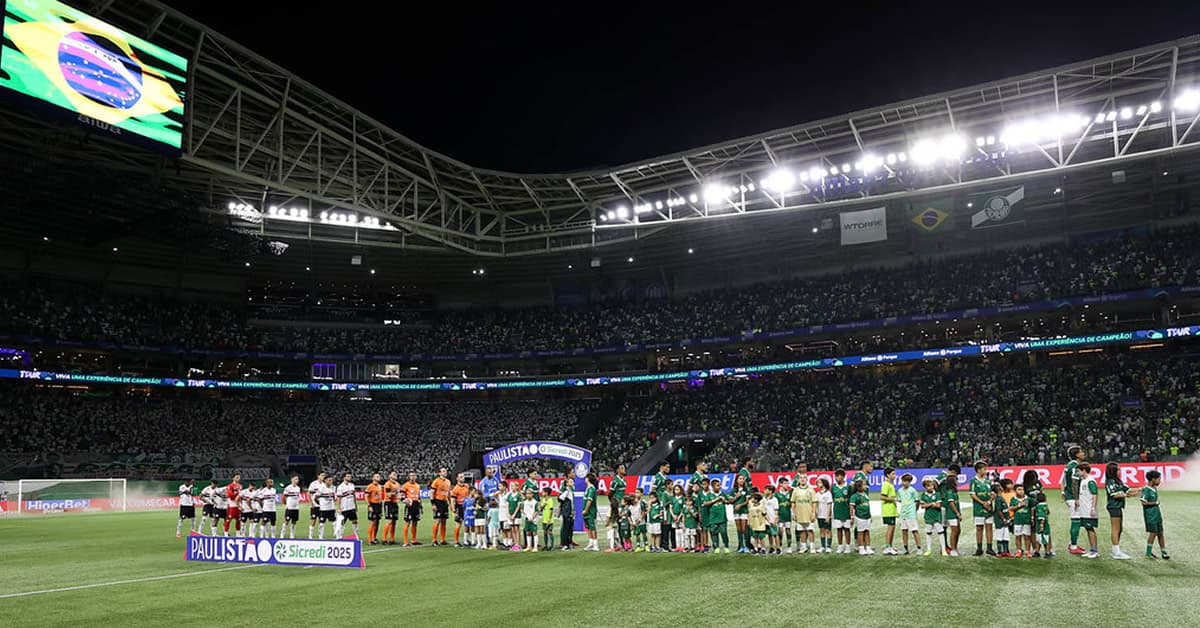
[951,515]
[1071,479]
[700,479]
[982,499]
[589,514]
[860,504]
[616,490]
[691,518]
[784,494]
[718,526]
[864,474]
[1001,522]
[1153,515]
[931,501]
[658,486]
[841,511]
[1116,492]
[1032,486]
[1041,523]
[1018,507]
[889,509]
[745,471]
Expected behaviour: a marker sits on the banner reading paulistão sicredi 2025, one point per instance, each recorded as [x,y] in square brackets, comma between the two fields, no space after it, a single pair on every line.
[299,552]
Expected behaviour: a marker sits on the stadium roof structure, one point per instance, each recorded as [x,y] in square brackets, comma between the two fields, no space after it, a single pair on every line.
[285,160]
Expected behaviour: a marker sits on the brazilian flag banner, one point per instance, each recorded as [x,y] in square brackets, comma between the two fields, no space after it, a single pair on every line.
[998,208]
[933,216]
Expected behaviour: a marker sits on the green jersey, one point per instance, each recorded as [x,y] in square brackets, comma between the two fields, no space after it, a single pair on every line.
[1070,480]
[698,479]
[889,509]
[691,511]
[624,522]
[716,512]
[698,505]
[741,501]
[529,484]
[865,480]
[656,513]
[1042,513]
[1151,514]
[659,485]
[514,505]
[841,501]
[932,504]
[1021,514]
[676,504]
[908,497]
[616,490]
[589,502]
[950,503]
[861,502]
[1000,518]
[981,496]
[785,505]
[1115,491]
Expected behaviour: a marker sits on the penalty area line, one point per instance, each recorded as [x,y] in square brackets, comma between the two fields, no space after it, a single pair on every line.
[96,585]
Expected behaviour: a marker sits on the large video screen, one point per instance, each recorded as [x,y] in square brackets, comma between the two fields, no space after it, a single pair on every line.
[105,77]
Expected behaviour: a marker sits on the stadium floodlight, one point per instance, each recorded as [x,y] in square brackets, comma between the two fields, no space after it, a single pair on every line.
[952,147]
[891,159]
[1099,118]
[804,177]
[658,205]
[1126,113]
[630,260]
[1188,100]
[816,174]
[780,180]
[715,193]
[1155,107]
[232,205]
[845,168]
[902,156]
[1112,115]
[1141,110]
[610,214]
[273,210]
[622,212]
[690,251]
[816,229]
[693,199]
[925,151]
[991,140]
[324,216]
[833,171]
[304,213]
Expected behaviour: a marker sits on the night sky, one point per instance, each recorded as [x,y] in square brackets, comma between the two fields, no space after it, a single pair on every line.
[556,90]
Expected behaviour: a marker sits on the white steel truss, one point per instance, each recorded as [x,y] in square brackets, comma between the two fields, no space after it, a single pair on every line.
[257,134]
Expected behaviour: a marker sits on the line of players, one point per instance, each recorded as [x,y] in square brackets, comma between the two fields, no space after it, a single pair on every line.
[231,505]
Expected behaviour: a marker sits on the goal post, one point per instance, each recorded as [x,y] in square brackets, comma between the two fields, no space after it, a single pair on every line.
[75,495]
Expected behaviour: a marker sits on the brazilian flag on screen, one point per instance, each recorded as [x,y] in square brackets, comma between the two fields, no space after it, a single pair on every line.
[932,216]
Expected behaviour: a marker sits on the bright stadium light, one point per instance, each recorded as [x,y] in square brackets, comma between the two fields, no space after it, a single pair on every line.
[693,199]
[611,214]
[780,180]
[803,177]
[833,171]
[1189,100]
[952,147]
[232,205]
[925,151]
[715,193]
[1155,107]
[658,205]
[1126,113]
[816,174]
[1112,115]
[891,159]
[622,212]
[1141,110]
[603,217]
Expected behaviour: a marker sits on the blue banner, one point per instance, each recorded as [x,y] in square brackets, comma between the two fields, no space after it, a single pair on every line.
[298,552]
[549,450]
[1066,342]
[879,323]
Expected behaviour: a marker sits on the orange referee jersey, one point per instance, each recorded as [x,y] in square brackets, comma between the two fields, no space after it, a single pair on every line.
[412,491]
[459,493]
[390,490]
[439,488]
[374,493]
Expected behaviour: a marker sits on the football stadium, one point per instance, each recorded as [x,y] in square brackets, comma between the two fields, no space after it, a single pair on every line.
[264,358]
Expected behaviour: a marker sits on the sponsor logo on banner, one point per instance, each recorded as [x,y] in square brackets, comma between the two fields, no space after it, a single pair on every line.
[297,552]
[868,225]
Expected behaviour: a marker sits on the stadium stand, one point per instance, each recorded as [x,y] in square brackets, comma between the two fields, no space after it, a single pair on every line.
[977,280]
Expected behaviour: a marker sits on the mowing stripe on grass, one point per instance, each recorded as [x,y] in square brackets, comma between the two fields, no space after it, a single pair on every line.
[153,578]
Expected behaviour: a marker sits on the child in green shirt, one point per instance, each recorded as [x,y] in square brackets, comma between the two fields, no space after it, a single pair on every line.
[907,496]
[1153,516]
[860,505]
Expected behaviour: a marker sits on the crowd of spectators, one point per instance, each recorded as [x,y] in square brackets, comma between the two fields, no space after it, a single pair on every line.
[360,437]
[935,414]
[977,280]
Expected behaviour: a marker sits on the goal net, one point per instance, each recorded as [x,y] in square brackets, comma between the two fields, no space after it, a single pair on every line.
[54,496]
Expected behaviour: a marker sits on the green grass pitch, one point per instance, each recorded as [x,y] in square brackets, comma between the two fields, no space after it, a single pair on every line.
[129,571]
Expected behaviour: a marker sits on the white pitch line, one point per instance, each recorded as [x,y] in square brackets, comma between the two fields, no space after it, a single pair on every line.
[152,578]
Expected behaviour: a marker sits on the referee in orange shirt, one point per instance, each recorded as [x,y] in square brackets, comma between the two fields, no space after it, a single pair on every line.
[391,508]
[458,494]
[374,493]
[439,494]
